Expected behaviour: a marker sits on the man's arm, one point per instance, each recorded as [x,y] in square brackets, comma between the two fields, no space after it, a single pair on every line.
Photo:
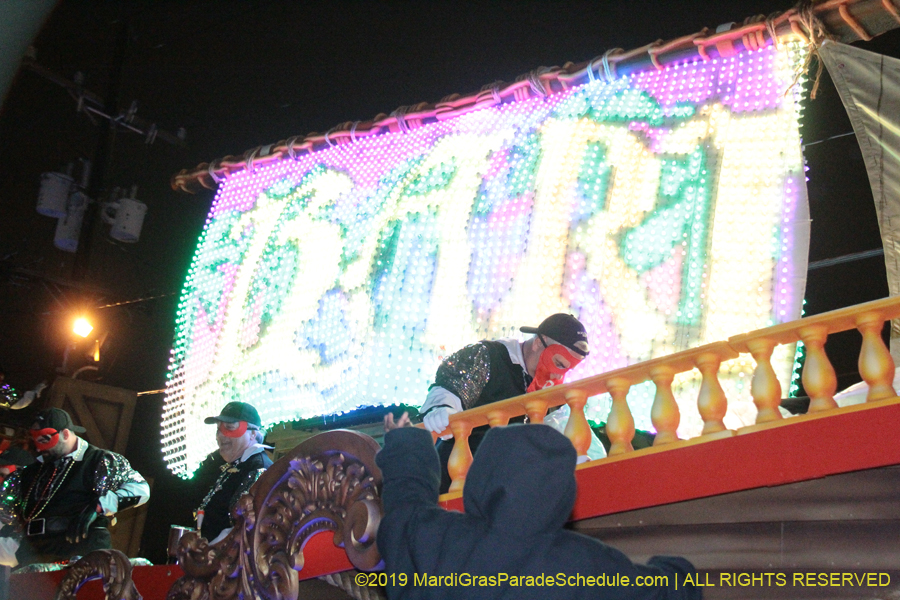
[463,375]
[458,383]
[10,509]
[117,485]
[412,519]
[438,397]
[439,405]
[11,498]
[410,470]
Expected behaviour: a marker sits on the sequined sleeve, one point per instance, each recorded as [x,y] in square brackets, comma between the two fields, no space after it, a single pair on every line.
[465,373]
[11,498]
[114,474]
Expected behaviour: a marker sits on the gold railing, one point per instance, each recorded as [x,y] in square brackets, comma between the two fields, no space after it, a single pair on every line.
[875,366]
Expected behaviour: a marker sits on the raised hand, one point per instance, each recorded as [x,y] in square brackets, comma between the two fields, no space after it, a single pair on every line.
[390,424]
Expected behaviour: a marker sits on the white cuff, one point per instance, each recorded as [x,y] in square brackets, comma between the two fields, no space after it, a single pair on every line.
[8,547]
[109,503]
[438,396]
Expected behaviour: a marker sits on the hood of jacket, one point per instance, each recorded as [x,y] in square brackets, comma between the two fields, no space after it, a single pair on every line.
[522,480]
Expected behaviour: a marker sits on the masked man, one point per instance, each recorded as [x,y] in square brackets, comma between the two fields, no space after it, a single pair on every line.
[239,435]
[61,506]
[490,371]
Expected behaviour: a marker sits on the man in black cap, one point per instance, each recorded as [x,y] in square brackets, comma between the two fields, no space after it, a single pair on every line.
[239,435]
[61,506]
[490,371]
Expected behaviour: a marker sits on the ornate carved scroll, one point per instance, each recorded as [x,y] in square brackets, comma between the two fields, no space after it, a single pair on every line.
[111,566]
[328,483]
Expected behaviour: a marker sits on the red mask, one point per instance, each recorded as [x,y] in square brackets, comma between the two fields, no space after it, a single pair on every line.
[233,433]
[547,367]
[39,433]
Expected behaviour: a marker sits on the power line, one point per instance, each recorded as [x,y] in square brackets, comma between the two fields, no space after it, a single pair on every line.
[135,301]
[828,262]
[834,137]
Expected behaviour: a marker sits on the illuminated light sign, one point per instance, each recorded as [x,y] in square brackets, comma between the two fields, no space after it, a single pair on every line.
[666,209]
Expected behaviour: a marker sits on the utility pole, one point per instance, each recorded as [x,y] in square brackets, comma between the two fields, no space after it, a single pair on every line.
[105,139]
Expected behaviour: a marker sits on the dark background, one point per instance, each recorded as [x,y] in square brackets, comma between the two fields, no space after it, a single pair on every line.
[237,75]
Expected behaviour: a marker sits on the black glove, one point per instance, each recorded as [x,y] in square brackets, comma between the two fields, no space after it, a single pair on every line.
[81,524]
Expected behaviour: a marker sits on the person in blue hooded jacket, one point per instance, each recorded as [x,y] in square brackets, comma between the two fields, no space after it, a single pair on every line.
[518,495]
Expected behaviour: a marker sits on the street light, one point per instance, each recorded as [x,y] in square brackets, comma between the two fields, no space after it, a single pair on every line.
[84,343]
[82,327]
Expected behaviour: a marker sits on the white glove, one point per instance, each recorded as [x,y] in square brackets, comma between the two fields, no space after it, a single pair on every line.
[438,419]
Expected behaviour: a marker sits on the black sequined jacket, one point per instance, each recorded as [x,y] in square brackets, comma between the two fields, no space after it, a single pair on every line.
[234,480]
[64,487]
[482,373]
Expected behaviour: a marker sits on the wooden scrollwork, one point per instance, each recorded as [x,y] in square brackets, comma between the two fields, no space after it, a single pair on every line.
[111,566]
[328,483]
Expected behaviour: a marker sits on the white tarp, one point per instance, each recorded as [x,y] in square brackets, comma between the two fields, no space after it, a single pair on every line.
[869,85]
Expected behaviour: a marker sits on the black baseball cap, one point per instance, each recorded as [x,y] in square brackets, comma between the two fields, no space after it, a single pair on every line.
[58,419]
[565,329]
[234,412]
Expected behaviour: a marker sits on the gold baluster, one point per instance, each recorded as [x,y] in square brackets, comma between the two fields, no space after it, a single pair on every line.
[536,410]
[577,429]
[819,379]
[764,388]
[711,400]
[664,414]
[620,423]
[461,456]
[497,418]
[875,363]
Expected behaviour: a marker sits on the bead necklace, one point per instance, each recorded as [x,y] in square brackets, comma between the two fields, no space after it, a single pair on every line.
[44,496]
[226,470]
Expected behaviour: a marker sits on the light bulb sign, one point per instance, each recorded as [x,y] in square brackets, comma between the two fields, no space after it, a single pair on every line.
[665,209]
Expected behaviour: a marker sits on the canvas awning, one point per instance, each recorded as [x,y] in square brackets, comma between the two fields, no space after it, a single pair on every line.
[869,86]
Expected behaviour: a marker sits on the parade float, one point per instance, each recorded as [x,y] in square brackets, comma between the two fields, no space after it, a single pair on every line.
[659,194]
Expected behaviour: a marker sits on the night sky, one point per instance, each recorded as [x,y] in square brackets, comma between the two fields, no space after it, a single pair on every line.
[237,75]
